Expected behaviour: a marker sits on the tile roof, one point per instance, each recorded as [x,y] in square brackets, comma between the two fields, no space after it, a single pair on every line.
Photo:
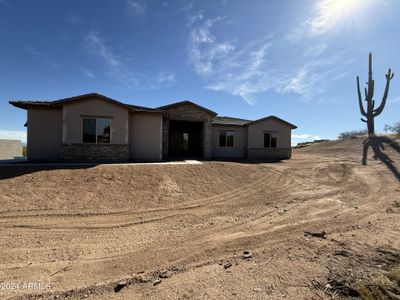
[229,121]
[57,103]
[185,102]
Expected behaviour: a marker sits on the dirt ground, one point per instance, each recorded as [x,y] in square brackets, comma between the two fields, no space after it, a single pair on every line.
[319,226]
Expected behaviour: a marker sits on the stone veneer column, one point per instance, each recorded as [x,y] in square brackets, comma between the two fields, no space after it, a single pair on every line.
[165,137]
[207,146]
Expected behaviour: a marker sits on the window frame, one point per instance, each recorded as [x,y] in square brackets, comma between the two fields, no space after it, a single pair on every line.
[225,132]
[272,134]
[95,118]
[185,146]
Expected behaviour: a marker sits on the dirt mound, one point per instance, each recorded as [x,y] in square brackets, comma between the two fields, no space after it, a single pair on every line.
[320,225]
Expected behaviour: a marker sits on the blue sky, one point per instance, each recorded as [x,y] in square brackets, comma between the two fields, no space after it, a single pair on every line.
[297,59]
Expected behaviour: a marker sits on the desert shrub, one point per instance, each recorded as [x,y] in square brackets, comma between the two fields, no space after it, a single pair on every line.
[352,134]
[395,128]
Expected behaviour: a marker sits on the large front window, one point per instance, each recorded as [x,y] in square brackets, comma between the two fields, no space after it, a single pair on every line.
[270,139]
[96,130]
[226,138]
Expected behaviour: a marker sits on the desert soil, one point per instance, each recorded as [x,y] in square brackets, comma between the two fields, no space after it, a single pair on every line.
[180,231]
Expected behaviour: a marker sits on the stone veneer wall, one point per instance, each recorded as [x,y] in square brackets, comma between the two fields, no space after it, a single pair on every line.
[269,153]
[94,152]
[188,112]
[165,141]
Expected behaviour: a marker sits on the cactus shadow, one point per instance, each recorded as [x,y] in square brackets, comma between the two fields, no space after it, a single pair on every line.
[378,144]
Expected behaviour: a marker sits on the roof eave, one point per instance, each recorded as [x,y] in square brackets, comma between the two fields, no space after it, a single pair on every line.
[165,107]
[292,126]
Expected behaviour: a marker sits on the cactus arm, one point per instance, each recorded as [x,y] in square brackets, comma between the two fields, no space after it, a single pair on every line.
[389,76]
[362,110]
[363,120]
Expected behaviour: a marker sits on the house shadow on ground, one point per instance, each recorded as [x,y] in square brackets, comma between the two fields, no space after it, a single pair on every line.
[379,146]
[11,171]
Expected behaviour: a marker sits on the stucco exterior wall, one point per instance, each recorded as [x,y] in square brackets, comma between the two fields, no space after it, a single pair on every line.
[187,112]
[256,133]
[44,134]
[239,142]
[146,131]
[10,149]
[73,113]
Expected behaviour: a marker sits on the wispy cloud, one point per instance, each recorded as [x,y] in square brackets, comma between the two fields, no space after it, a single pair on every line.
[315,50]
[306,136]
[312,77]
[135,7]
[41,57]
[247,70]
[226,67]
[99,46]
[13,135]
[119,67]
[88,73]
[74,19]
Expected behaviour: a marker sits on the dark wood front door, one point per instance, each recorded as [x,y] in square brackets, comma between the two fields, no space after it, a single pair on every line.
[185,139]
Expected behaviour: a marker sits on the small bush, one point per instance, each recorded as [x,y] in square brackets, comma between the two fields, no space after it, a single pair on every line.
[395,128]
[352,134]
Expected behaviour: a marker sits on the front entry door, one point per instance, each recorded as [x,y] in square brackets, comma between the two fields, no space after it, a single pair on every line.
[185,139]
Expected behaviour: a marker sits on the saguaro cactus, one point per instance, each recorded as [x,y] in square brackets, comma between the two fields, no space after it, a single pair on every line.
[371,111]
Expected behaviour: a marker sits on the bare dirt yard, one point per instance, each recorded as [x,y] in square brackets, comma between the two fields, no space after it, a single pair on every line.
[318,226]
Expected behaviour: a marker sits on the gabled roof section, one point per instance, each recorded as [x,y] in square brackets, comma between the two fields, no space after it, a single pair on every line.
[273,118]
[229,121]
[187,102]
[58,103]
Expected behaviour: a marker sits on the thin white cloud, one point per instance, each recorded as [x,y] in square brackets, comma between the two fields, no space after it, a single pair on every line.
[88,73]
[306,136]
[240,71]
[74,19]
[13,135]
[394,100]
[119,67]
[41,57]
[101,49]
[165,78]
[135,7]
[312,77]
[245,71]
[315,51]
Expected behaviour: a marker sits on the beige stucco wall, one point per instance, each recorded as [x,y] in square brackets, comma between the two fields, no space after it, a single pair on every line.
[73,113]
[44,134]
[146,136]
[256,133]
[10,149]
[239,142]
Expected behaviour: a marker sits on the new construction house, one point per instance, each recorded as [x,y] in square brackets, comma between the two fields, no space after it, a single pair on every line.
[93,127]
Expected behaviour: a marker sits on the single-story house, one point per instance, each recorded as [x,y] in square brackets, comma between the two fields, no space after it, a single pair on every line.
[95,127]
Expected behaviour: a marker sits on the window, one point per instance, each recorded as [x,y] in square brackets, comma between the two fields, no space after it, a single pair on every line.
[226,138]
[270,139]
[185,141]
[96,131]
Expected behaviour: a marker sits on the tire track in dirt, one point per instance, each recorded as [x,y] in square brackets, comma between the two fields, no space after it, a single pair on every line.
[237,193]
